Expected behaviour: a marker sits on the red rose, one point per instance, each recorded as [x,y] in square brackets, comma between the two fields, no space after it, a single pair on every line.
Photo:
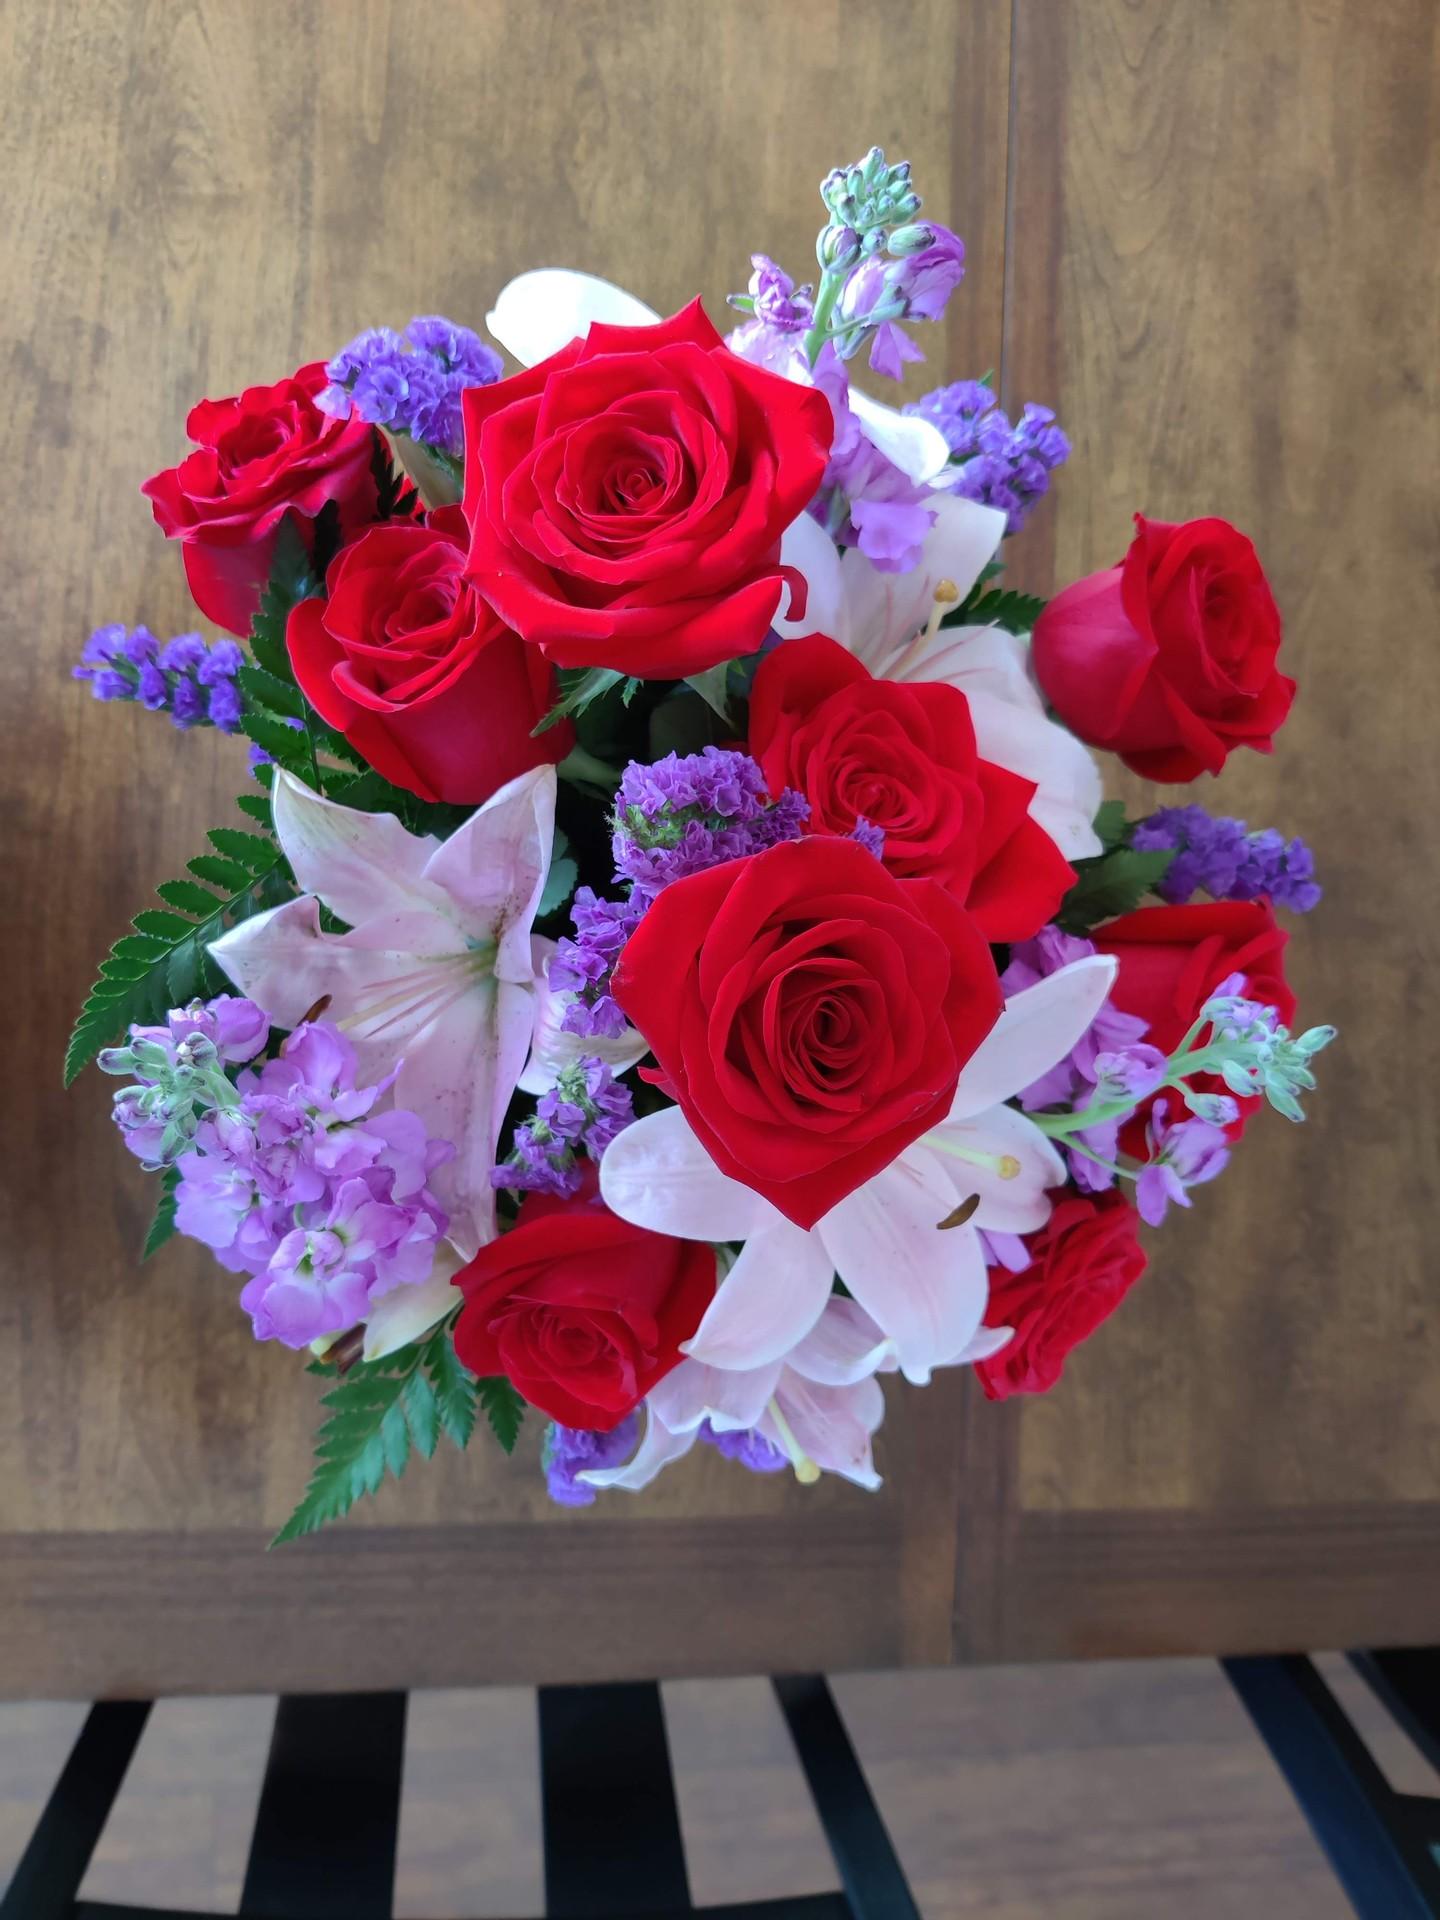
[1169,658]
[627,496]
[416,671]
[1173,958]
[903,758]
[582,1311]
[809,1012]
[1085,1260]
[265,454]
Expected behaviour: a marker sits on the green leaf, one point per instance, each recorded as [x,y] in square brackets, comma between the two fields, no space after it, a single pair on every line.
[229,875]
[560,881]
[293,578]
[581,687]
[256,805]
[253,851]
[265,689]
[395,496]
[1111,827]
[163,1224]
[713,688]
[1113,884]
[377,1414]
[1016,612]
[286,746]
[164,962]
[504,1409]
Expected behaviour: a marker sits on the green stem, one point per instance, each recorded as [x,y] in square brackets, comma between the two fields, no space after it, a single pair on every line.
[831,281]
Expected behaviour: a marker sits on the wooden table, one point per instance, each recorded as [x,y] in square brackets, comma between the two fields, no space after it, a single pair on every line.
[1206,233]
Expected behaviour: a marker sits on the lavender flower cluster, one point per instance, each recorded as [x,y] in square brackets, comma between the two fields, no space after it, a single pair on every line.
[1073,1081]
[673,817]
[411,382]
[582,1112]
[290,1174]
[193,683]
[1223,858]
[1001,465]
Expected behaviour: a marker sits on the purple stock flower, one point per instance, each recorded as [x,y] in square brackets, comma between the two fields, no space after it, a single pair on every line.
[411,383]
[569,1451]
[745,1444]
[1073,1081]
[1000,465]
[1183,1155]
[1129,1073]
[193,683]
[865,500]
[1222,857]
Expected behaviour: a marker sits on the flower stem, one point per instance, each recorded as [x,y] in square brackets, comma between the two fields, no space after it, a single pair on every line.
[831,281]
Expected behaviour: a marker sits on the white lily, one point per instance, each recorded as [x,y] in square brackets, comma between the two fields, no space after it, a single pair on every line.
[552,1049]
[924,1289]
[819,1405]
[891,622]
[436,971]
[539,312]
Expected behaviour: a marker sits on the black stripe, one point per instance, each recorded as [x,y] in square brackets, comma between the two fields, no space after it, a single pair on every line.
[325,1832]
[612,1829]
[1365,1829]
[49,1874]
[870,1871]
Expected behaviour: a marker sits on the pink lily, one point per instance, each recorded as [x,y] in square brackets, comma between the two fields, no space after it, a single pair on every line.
[985,1167]
[436,973]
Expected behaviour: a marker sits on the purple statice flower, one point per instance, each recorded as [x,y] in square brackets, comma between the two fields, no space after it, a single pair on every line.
[745,1444]
[1073,1081]
[687,813]
[865,500]
[194,684]
[411,382]
[580,1114]
[583,965]
[291,1173]
[1222,857]
[871,837]
[569,1451]
[1183,1155]
[997,464]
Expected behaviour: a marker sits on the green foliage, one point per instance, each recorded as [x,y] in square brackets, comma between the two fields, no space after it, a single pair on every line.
[1111,827]
[164,962]
[560,882]
[713,687]
[395,494]
[376,1416]
[994,606]
[163,1224]
[504,1409]
[581,687]
[1112,884]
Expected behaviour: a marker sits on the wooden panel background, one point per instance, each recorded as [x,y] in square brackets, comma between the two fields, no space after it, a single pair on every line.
[1204,231]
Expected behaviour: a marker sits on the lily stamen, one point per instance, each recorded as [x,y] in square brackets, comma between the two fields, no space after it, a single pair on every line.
[806,1471]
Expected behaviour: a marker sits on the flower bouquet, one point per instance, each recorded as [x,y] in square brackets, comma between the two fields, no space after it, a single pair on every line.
[672,963]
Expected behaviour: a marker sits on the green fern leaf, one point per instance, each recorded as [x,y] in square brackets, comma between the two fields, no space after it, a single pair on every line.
[163,1224]
[1016,612]
[254,852]
[189,898]
[265,689]
[504,1409]
[455,1388]
[228,875]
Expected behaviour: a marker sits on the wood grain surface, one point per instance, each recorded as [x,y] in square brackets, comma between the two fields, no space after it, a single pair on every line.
[1206,234]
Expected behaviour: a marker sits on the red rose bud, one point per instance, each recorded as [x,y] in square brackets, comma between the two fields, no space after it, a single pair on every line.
[580,1310]
[1168,660]
[417,672]
[264,456]
[1173,958]
[1084,1260]
[809,1013]
[903,758]
[627,497]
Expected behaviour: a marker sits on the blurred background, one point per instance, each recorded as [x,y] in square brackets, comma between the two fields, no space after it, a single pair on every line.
[1202,232]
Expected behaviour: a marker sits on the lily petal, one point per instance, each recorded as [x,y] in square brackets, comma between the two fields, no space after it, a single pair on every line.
[362,865]
[843,1346]
[833,1425]
[405,1313]
[769,1300]
[925,1289]
[493,868]
[807,547]
[658,1447]
[914,445]
[656,1174]
[1004,1159]
[730,1401]
[539,312]
[1036,1030]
